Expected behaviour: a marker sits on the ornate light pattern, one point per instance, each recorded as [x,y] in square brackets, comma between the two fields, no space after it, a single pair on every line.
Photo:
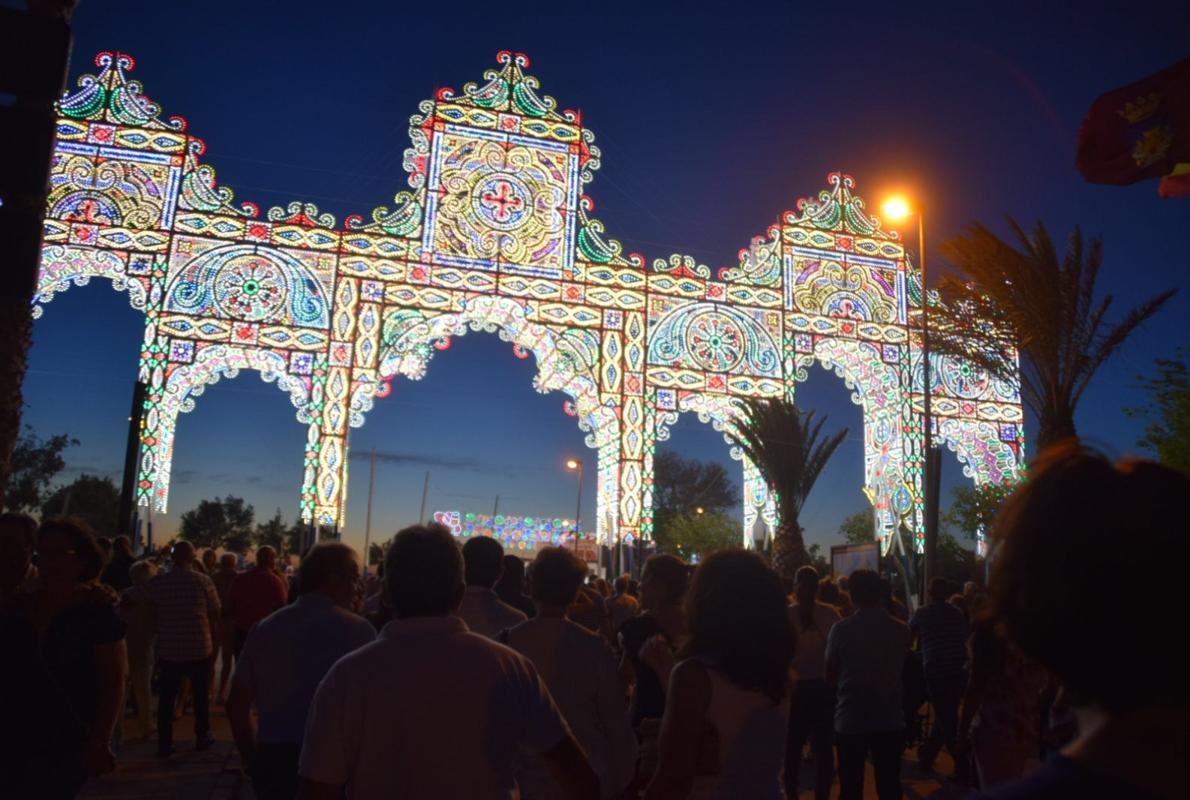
[495,234]
[524,534]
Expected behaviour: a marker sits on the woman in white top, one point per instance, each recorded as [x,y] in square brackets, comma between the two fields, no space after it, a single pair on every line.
[723,733]
[581,673]
[812,702]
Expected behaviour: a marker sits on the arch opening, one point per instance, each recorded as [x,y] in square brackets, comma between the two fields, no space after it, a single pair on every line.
[214,449]
[82,386]
[481,445]
[565,360]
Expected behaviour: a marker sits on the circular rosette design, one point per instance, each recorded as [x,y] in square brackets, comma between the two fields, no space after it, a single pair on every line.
[713,337]
[252,283]
[963,379]
[250,288]
[717,343]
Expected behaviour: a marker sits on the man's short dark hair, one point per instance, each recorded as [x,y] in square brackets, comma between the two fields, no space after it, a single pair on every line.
[325,561]
[484,557]
[866,587]
[940,589]
[513,566]
[556,575]
[1089,576]
[423,572]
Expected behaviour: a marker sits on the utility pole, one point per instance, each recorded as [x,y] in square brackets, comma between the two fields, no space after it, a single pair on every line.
[368,518]
[425,489]
[933,460]
[124,522]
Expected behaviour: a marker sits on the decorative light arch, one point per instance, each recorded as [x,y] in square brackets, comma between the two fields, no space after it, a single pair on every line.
[186,383]
[64,266]
[494,232]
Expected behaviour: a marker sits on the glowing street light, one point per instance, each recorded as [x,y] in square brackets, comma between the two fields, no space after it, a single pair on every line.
[698,510]
[576,465]
[897,208]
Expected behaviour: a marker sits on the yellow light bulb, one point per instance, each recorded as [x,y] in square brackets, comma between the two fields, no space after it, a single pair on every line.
[896,208]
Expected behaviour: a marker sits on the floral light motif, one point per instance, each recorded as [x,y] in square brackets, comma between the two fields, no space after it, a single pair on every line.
[523,534]
[495,233]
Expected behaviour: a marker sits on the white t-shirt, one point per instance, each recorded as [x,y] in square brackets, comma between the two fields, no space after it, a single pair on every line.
[582,676]
[486,614]
[809,659]
[428,710]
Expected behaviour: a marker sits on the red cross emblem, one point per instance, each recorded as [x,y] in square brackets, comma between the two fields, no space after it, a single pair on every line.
[503,202]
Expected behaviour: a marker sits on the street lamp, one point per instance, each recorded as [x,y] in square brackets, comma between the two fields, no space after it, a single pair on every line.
[898,208]
[699,510]
[576,465]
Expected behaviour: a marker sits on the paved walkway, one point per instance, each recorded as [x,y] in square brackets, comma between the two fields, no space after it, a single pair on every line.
[215,774]
[187,775]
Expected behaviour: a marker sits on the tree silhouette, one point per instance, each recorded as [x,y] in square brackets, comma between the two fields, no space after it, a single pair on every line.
[90,497]
[225,522]
[34,464]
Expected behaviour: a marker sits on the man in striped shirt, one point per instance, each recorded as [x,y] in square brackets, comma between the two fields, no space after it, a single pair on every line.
[941,629]
[187,626]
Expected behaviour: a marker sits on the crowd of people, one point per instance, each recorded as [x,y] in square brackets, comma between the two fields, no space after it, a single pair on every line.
[457,672]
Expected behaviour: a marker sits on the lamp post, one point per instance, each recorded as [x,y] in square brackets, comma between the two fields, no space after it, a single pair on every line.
[576,465]
[368,519]
[898,208]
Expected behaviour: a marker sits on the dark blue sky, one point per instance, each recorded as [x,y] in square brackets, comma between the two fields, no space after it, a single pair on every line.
[712,119]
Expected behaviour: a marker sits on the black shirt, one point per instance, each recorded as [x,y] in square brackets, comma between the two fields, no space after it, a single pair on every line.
[648,702]
[116,575]
[51,687]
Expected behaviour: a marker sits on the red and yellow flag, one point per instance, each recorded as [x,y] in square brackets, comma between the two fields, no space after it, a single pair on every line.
[1139,132]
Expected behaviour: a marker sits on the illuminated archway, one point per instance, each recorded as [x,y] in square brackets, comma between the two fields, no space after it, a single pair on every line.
[495,233]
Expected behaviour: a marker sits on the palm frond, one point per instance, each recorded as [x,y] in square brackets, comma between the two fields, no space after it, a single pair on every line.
[1024,311]
[787,447]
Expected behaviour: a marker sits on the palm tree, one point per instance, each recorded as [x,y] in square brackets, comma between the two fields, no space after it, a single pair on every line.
[783,443]
[1024,299]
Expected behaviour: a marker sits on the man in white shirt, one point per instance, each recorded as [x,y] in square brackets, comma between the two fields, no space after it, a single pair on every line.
[482,609]
[430,709]
[283,660]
